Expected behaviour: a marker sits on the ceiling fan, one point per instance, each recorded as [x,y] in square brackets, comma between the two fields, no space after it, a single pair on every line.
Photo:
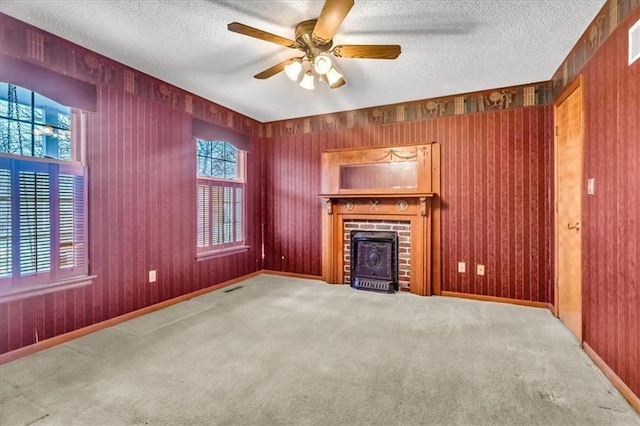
[314,38]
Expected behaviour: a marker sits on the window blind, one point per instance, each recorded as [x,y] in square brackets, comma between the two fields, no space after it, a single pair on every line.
[220,214]
[42,222]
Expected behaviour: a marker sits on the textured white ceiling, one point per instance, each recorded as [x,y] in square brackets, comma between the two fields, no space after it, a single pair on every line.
[448,47]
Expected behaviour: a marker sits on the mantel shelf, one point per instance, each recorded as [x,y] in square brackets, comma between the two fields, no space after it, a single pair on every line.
[378,195]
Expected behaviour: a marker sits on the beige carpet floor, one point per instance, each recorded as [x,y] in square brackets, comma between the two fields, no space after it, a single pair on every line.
[284,351]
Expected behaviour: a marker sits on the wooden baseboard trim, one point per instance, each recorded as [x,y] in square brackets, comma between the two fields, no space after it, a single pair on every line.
[529,303]
[292,274]
[63,338]
[629,395]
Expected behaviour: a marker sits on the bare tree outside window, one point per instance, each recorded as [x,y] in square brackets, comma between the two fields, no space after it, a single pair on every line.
[32,125]
[217,159]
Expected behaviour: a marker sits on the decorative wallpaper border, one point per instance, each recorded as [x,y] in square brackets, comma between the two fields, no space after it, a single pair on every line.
[31,44]
[34,45]
[610,16]
[469,103]
[606,21]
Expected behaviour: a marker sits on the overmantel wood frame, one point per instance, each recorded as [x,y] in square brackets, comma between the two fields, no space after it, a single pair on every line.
[420,206]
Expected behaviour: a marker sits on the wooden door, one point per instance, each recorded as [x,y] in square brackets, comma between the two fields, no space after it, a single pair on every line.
[569,182]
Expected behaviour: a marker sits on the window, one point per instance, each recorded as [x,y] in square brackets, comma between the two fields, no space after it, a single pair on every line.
[218,160]
[220,196]
[32,125]
[42,195]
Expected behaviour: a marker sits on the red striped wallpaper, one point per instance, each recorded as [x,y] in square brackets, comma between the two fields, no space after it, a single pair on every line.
[611,217]
[142,180]
[496,180]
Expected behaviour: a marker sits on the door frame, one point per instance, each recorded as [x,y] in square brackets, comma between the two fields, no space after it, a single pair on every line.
[576,83]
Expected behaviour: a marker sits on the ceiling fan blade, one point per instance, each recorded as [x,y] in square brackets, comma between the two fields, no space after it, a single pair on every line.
[269,72]
[243,29]
[367,51]
[332,14]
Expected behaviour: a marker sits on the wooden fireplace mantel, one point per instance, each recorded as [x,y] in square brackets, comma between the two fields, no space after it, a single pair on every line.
[406,183]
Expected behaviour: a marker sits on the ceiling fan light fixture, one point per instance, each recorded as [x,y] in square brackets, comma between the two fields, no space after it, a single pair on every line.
[307,81]
[293,70]
[334,78]
[322,64]
[314,37]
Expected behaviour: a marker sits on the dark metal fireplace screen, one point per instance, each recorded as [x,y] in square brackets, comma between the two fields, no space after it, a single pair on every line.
[374,260]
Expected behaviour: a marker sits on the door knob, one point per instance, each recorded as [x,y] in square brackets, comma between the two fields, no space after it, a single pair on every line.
[576,226]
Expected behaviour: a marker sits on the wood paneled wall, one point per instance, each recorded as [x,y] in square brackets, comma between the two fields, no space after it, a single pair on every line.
[142,204]
[496,180]
[611,221]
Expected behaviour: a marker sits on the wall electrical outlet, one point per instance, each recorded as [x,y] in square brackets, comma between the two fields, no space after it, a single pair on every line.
[462,267]
[152,276]
[480,269]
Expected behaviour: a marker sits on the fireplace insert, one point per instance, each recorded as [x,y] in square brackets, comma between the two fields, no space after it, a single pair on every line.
[374,260]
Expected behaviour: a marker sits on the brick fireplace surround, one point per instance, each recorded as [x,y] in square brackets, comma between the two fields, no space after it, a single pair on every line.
[404,250]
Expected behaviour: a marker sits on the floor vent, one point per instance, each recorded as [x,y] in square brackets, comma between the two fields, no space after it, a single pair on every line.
[233,289]
[634,42]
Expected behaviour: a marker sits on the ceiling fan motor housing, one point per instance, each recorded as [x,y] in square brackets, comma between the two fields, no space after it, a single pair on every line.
[306,43]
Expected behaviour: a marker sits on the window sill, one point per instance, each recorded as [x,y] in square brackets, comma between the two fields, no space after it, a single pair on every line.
[206,255]
[66,284]
[46,160]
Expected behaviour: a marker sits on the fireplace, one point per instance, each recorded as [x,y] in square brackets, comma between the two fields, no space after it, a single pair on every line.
[374,261]
[398,201]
